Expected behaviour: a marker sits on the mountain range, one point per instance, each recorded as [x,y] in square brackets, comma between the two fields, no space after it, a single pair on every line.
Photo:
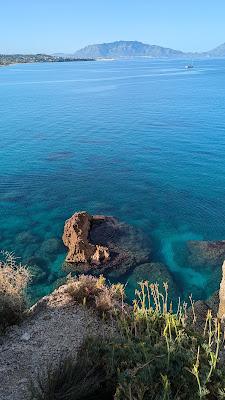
[126,49]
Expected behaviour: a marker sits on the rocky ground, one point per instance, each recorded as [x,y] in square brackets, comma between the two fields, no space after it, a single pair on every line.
[54,326]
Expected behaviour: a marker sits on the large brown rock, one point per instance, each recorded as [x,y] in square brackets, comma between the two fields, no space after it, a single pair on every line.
[121,246]
[76,238]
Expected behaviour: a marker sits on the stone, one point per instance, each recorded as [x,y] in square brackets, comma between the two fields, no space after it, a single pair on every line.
[117,246]
[25,337]
[76,238]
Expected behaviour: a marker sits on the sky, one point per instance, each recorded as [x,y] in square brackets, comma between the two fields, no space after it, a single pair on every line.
[34,26]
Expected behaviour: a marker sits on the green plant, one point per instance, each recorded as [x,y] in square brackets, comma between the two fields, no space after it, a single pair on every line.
[154,355]
[84,379]
[13,284]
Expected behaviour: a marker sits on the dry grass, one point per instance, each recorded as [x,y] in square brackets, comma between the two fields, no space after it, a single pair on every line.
[91,291]
[13,283]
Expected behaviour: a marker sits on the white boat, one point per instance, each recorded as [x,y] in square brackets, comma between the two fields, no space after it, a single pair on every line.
[189,66]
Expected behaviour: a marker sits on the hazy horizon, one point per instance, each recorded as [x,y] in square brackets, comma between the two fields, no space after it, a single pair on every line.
[114,41]
[51,26]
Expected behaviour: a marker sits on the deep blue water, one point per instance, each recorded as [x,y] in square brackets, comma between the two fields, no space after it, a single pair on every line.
[143,140]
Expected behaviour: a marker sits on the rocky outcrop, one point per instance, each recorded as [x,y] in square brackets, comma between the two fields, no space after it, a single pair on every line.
[102,244]
[56,326]
[76,238]
[221,311]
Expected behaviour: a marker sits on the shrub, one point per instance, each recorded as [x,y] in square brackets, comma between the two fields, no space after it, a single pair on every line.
[13,283]
[84,379]
[93,292]
[155,355]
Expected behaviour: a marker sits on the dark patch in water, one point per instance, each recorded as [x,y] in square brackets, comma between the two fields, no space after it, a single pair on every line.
[59,156]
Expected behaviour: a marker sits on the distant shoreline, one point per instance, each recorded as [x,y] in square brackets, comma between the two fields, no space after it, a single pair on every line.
[7,60]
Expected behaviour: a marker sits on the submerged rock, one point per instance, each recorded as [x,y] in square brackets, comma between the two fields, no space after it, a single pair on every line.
[49,249]
[206,253]
[153,273]
[216,304]
[26,237]
[50,246]
[100,244]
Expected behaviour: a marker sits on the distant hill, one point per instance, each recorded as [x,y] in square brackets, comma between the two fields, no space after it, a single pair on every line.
[124,48]
[217,52]
[127,49]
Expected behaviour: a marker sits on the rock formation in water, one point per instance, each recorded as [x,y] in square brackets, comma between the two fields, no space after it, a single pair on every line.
[207,257]
[221,311]
[76,238]
[100,244]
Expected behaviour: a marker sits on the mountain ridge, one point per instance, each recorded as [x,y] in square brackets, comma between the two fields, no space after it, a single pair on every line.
[126,49]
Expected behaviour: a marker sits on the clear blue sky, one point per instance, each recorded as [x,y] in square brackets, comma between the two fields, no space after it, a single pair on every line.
[66,25]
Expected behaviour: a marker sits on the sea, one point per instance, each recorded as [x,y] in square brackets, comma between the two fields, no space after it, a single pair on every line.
[140,139]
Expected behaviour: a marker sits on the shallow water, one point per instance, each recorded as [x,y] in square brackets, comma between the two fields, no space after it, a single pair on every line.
[142,140]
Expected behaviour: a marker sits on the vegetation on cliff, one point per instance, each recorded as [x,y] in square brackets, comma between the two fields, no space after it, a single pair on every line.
[152,353]
[155,353]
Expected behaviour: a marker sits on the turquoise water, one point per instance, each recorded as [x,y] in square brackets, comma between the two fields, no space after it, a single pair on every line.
[143,140]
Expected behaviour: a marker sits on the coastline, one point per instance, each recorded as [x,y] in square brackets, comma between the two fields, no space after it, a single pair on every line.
[50,60]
